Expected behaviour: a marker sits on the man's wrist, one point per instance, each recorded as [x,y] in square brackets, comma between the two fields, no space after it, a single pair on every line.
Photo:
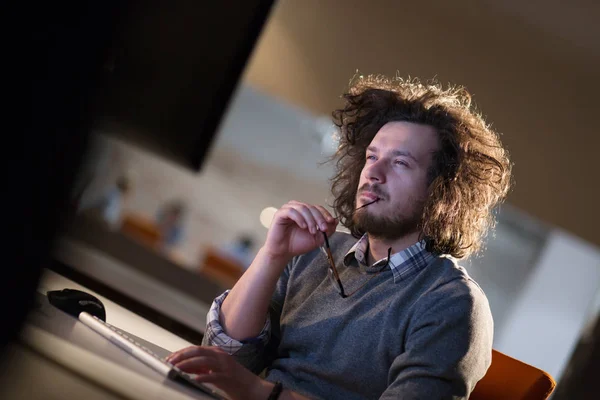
[273,260]
[262,390]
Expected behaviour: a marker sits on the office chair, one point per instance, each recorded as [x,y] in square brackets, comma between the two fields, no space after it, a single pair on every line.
[141,229]
[508,378]
[219,268]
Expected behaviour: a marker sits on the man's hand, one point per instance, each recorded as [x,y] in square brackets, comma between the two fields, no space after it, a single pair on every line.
[213,365]
[295,230]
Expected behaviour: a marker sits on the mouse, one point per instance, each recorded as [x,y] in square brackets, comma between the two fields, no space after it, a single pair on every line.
[74,302]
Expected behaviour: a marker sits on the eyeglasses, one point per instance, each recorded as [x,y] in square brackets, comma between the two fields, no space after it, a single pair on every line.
[335,276]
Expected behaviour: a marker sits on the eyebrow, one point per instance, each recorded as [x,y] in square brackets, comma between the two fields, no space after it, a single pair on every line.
[396,153]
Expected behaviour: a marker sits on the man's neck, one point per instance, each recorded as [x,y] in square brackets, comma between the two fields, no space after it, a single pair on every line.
[378,247]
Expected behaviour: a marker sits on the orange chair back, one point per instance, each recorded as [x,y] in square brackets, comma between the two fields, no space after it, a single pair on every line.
[220,268]
[142,229]
[509,378]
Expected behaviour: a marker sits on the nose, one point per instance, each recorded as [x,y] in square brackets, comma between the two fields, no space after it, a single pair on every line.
[375,172]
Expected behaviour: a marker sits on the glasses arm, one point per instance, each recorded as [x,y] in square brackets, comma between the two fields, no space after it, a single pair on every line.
[336,276]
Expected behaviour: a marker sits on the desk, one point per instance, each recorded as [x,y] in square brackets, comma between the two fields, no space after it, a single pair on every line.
[143,287]
[119,316]
[60,358]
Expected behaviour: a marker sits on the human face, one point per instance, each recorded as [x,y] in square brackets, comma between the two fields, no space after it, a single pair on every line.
[395,178]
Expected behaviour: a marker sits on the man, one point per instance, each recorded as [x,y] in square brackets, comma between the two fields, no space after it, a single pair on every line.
[418,175]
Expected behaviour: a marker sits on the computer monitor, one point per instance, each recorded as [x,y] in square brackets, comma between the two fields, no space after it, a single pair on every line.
[163,70]
[171,72]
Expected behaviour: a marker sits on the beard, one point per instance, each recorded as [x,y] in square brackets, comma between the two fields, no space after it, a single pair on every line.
[390,227]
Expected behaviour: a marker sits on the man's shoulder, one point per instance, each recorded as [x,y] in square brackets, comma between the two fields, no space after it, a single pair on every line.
[451,282]
[454,273]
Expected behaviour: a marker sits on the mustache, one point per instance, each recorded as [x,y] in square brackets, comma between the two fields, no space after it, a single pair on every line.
[373,188]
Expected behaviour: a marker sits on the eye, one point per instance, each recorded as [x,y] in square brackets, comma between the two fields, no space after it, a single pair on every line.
[401,163]
[370,157]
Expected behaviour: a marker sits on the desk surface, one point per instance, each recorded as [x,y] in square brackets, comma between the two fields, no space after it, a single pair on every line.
[56,347]
[117,315]
[139,285]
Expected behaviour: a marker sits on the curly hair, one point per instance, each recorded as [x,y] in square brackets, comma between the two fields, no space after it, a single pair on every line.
[470,173]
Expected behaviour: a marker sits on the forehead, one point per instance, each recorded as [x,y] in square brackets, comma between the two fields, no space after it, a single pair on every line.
[418,139]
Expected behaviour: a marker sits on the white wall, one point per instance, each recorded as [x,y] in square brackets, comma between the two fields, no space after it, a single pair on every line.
[554,306]
[266,153]
[509,257]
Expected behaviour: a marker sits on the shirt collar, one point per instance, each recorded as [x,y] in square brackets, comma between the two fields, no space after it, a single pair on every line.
[403,264]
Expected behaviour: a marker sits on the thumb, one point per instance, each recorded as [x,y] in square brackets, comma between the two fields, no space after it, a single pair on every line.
[331,227]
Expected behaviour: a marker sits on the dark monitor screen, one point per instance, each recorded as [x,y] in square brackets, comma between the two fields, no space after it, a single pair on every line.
[172,69]
[156,73]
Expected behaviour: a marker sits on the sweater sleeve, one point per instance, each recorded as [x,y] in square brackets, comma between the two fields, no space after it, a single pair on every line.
[448,347]
[254,353]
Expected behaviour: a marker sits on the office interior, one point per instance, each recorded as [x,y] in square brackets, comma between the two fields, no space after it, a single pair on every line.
[157,239]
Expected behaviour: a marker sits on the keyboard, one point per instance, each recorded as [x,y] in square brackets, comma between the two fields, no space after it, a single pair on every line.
[146,355]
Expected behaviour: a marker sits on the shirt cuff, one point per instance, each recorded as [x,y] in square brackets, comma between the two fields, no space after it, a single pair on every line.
[217,337]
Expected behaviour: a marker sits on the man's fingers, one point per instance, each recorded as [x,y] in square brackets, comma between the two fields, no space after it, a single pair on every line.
[330,219]
[320,220]
[314,218]
[180,354]
[198,365]
[294,215]
[208,378]
[189,352]
[308,217]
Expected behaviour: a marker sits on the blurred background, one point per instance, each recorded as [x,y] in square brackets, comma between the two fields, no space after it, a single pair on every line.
[169,237]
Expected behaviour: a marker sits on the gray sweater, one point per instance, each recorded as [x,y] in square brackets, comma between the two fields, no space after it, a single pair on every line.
[427,336]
